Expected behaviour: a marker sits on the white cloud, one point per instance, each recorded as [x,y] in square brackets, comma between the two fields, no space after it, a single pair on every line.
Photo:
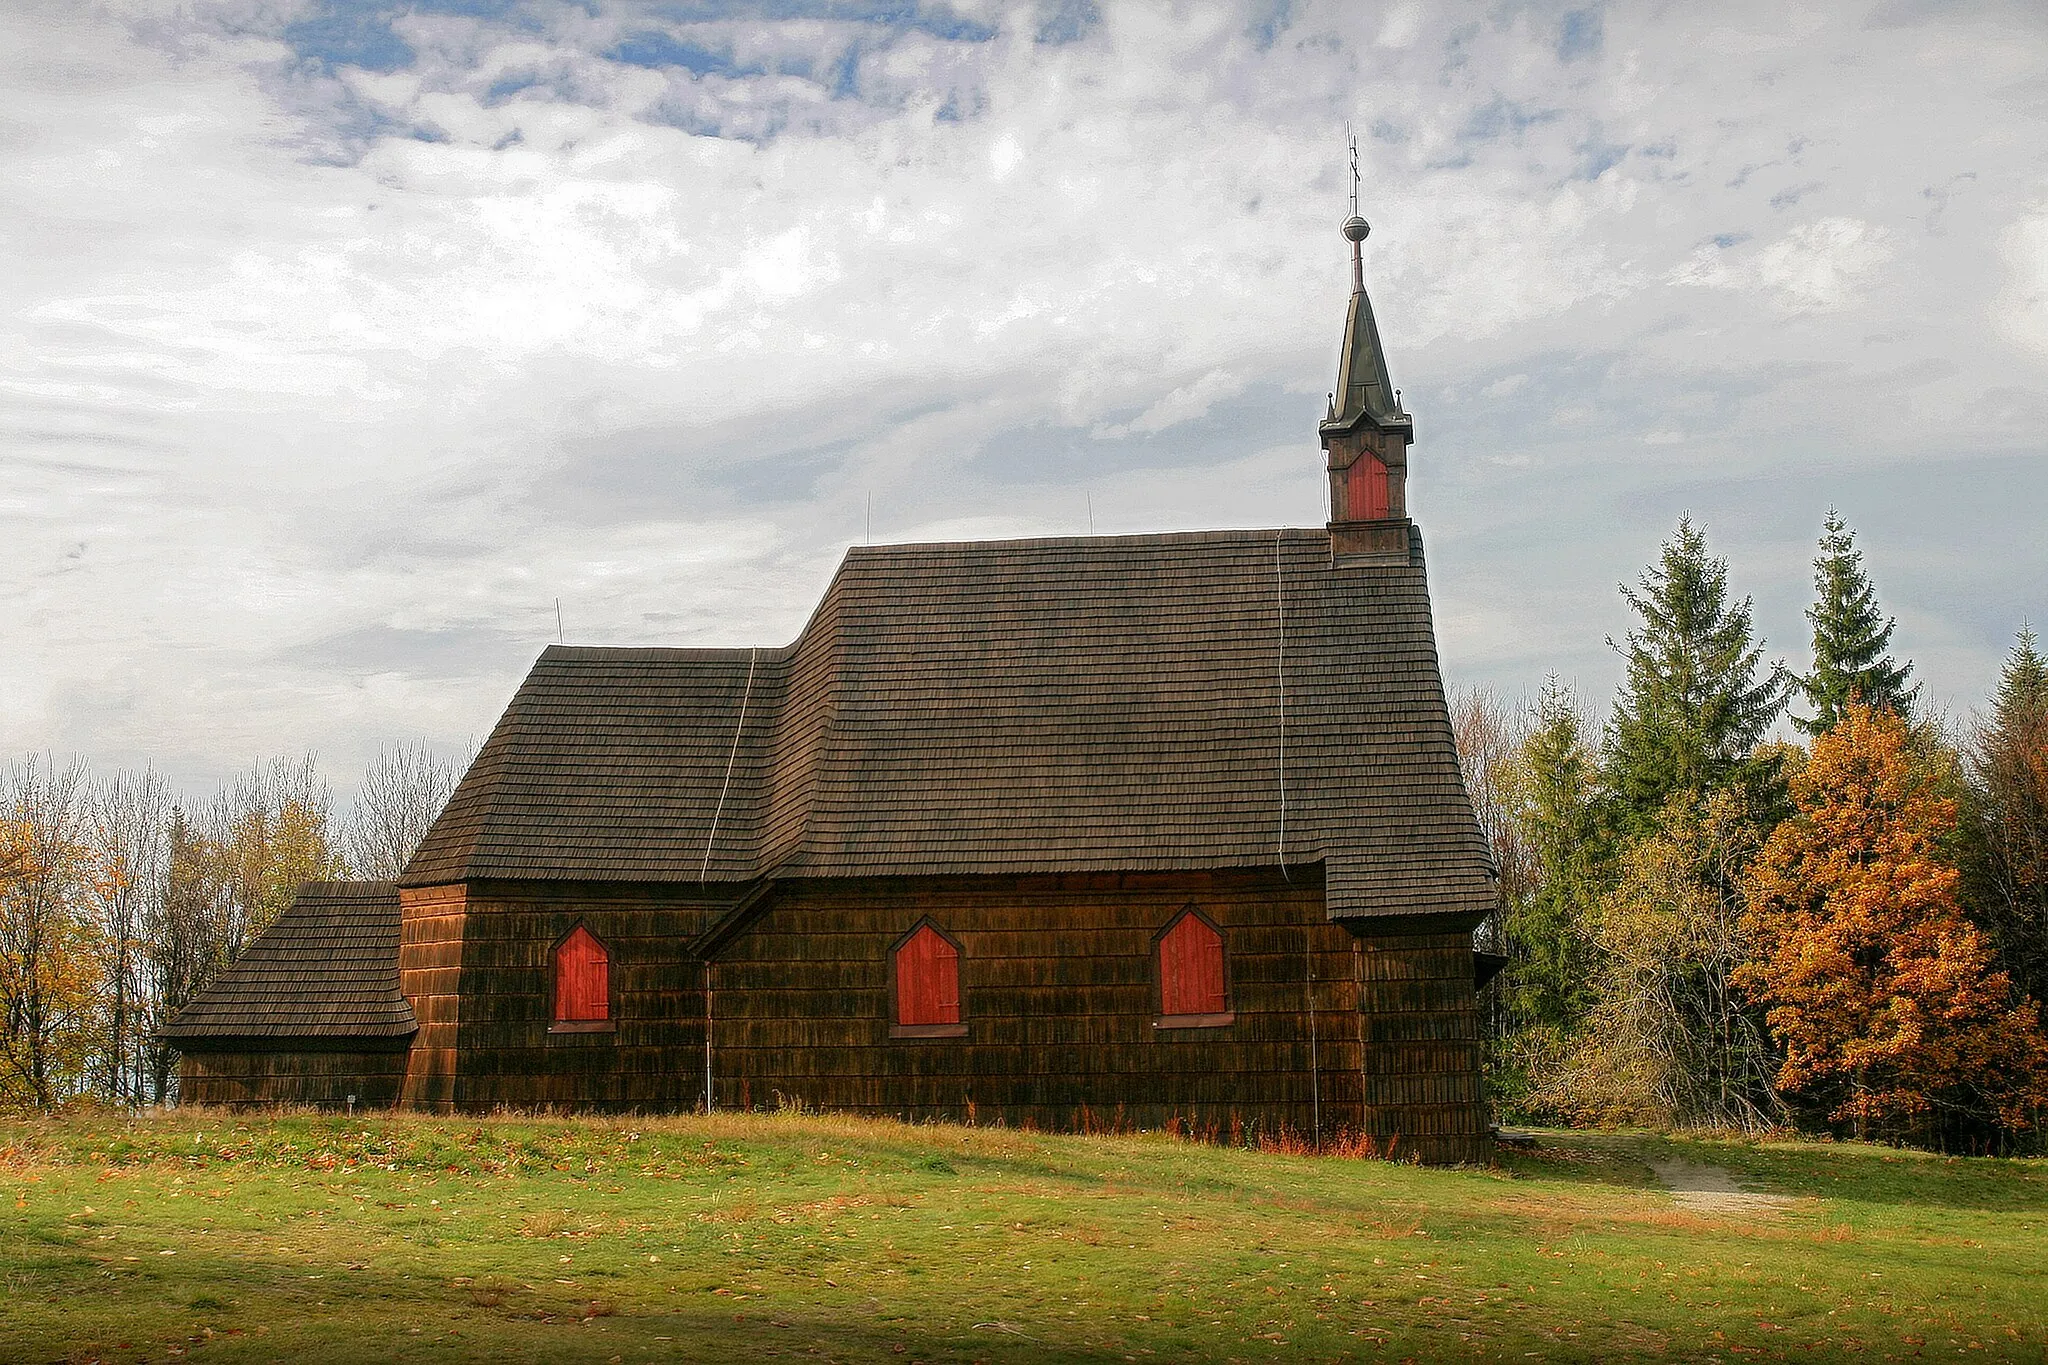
[1004,156]
[1402,27]
[2020,312]
[313,386]
[1822,264]
[1185,404]
[1815,267]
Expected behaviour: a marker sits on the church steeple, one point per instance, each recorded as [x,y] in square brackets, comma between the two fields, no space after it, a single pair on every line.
[1364,393]
[1366,435]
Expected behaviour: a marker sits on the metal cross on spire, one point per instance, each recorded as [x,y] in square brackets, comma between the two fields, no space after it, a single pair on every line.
[1353,138]
[1355,227]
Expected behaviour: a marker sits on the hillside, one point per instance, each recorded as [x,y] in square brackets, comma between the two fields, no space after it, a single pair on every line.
[218,1238]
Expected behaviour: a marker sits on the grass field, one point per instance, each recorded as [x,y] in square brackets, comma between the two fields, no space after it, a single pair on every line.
[231,1238]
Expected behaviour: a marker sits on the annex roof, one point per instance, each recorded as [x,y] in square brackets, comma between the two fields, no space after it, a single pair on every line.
[1114,703]
[327,970]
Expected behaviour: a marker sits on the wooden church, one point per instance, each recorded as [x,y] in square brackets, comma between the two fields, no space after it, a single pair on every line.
[1086,831]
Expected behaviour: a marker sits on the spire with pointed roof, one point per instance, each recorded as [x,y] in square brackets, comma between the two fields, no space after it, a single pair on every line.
[1365,394]
[1365,434]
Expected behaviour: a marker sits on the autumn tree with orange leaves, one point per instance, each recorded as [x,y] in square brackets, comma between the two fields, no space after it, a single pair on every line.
[1882,994]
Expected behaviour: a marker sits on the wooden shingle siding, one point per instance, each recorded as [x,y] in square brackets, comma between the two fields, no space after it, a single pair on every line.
[1059,986]
[1060,996]
[430,974]
[261,1076]
[500,1048]
[1101,704]
[1420,1046]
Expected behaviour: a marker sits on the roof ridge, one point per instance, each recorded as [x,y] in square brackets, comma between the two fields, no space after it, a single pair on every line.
[680,653]
[1250,535]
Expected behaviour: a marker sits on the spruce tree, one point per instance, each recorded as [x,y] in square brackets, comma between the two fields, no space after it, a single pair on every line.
[2005,826]
[2022,699]
[1850,661]
[1692,707]
[1549,983]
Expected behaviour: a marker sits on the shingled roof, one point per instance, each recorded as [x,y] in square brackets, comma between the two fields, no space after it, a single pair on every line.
[1101,704]
[327,971]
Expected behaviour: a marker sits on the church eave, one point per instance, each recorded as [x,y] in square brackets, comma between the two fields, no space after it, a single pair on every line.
[1404,425]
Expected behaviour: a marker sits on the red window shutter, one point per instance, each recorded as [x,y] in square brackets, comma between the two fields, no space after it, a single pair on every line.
[927,979]
[1365,498]
[582,979]
[1191,968]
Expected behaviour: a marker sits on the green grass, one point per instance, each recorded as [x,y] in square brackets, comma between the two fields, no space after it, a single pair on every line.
[230,1238]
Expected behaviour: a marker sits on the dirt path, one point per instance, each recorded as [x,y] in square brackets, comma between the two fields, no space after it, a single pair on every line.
[1712,1189]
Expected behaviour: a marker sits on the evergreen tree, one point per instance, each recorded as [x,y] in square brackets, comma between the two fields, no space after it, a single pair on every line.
[1548,984]
[1692,707]
[2005,826]
[1850,661]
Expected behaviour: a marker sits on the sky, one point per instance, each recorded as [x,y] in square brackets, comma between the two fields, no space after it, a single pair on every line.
[341,342]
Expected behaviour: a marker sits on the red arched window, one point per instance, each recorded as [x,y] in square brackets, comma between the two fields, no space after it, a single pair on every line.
[927,972]
[583,986]
[1191,989]
[1365,488]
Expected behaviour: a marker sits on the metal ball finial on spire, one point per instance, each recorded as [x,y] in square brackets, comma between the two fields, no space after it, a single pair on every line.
[1355,227]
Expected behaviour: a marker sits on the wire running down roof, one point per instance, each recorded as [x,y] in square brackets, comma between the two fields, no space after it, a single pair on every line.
[1100,704]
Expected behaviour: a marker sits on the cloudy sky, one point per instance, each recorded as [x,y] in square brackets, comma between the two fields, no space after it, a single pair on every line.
[338,341]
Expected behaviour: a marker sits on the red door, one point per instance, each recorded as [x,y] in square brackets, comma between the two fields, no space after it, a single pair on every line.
[1365,489]
[927,979]
[582,979]
[1191,968]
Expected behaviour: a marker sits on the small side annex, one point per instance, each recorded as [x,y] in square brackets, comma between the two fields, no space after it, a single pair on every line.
[1102,831]
[310,1014]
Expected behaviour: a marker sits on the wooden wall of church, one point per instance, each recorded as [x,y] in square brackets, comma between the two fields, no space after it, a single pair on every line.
[430,977]
[1060,999]
[478,965]
[1420,1047]
[321,1078]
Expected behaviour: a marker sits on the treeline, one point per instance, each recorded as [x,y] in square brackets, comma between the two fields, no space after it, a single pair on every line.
[1709,925]
[119,900]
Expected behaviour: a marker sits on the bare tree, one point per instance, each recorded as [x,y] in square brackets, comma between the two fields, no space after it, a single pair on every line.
[1491,732]
[272,833]
[232,868]
[184,938]
[127,827]
[403,791]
